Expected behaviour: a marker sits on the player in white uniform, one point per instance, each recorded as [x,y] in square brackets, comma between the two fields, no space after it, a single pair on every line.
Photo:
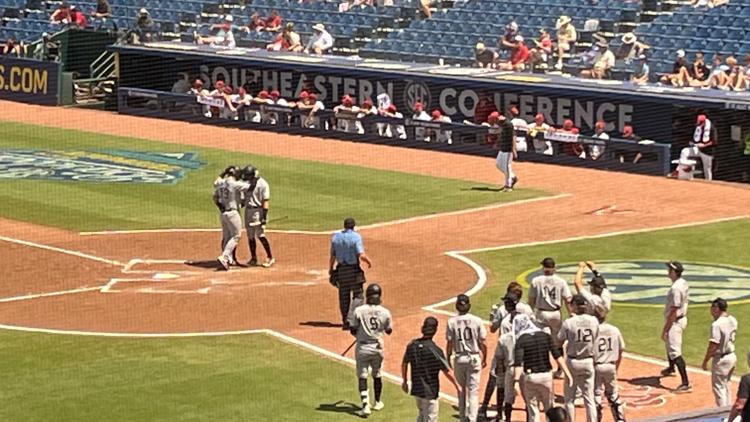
[701,146]
[466,337]
[500,319]
[609,348]
[547,294]
[369,323]
[579,334]
[721,351]
[520,128]
[256,202]
[598,295]
[227,193]
[675,322]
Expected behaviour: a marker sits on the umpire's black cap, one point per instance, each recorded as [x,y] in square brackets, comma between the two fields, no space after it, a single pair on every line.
[548,262]
[676,266]
[349,223]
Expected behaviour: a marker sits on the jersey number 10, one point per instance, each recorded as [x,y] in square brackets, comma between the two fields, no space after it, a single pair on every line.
[465,334]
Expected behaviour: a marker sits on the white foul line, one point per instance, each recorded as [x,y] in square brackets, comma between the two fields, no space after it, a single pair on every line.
[327,232]
[60,293]
[602,235]
[63,251]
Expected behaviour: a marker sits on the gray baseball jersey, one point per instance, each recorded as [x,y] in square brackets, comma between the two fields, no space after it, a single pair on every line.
[677,297]
[547,293]
[465,332]
[261,192]
[604,300]
[228,192]
[499,317]
[581,332]
[371,322]
[723,333]
[506,345]
[609,344]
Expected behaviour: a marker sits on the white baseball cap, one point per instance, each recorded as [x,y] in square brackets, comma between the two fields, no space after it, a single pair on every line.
[680,53]
[229,18]
[519,38]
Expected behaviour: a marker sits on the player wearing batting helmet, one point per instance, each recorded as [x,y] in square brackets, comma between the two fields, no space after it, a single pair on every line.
[227,192]
[370,322]
[256,214]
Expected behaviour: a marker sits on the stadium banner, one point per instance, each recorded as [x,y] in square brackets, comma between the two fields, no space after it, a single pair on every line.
[29,81]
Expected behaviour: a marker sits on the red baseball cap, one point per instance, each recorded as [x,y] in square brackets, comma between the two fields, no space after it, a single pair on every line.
[600,125]
[701,119]
[514,111]
[347,101]
[436,114]
[219,84]
[627,130]
[567,124]
[367,104]
[539,118]
[312,97]
[494,115]
[418,106]
[228,90]
[263,94]
[304,94]
[391,108]
[275,94]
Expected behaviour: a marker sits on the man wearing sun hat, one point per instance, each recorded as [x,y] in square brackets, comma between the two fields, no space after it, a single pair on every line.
[485,57]
[675,322]
[603,61]
[566,38]
[320,41]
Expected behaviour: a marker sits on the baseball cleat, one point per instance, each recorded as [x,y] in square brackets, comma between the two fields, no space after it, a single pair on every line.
[252,262]
[268,263]
[667,372]
[683,388]
[379,405]
[223,262]
[365,411]
[513,182]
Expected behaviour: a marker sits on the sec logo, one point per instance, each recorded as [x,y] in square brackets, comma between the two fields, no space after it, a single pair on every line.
[416,92]
[646,282]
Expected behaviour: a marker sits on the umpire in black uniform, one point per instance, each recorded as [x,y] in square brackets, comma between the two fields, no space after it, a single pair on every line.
[344,269]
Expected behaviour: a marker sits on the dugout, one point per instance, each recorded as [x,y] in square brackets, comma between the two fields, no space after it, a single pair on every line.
[663,114]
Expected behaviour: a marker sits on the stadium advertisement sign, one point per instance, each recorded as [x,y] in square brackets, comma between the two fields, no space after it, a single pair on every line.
[29,81]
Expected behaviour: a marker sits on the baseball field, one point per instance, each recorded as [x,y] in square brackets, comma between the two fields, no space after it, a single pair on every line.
[111,308]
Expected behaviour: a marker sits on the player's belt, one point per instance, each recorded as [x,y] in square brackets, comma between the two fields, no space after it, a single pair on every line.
[606,363]
[580,357]
[230,210]
[679,318]
[724,354]
[467,353]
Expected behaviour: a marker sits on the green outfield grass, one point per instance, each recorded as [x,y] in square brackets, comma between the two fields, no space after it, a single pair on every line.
[306,195]
[721,243]
[233,378]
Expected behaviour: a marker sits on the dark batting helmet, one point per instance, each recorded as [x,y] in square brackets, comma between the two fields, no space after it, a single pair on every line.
[249,173]
[229,171]
[373,294]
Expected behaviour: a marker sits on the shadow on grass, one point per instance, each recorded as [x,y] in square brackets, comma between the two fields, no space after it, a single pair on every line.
[339,407]
[484,189]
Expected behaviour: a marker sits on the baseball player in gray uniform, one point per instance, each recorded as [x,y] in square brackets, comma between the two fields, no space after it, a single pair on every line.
[227,193]
[256,214]
[500,320]
[675,322]
[368,324]
[466,337]
[503,359]
[609,348]
[547,294]
[597,294]
[721,351]
[579,335]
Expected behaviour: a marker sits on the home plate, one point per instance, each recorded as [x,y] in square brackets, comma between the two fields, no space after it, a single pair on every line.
[165,276]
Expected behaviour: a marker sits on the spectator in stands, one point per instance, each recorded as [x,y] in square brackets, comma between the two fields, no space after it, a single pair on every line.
[440,135]
[47,49]
[680,71]
[392,129]
[13,47]
[719,77]
[603,61]
[321,40]
[631,48]
[641,72]
[540,55]
[596,151]
[224,34]
[566,38]
[537,129]
[287,40]
[485,57]
[710,4]
[734,74]
[743,80]
[256,24]
[62,14]
[420,134]
[698,72]
[520,129]
[102,14]
[77,17]
[518,57]
[144,27]
[507,42]
[425,7]
[273,21]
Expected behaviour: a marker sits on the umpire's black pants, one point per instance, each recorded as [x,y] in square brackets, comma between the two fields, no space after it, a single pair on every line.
[350,279]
